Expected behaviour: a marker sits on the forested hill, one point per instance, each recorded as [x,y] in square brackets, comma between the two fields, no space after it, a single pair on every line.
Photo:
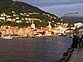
[24,10]
[7,6]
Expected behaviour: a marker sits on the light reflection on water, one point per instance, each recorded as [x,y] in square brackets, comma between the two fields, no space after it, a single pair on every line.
[44,49]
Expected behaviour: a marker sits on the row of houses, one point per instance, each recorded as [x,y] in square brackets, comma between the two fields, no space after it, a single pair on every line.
[29,31]
[59,28]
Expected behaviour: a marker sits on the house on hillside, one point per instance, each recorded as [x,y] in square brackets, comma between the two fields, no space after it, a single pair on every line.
[2,18]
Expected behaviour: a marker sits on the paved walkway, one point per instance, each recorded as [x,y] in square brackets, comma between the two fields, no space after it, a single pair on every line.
[77,55]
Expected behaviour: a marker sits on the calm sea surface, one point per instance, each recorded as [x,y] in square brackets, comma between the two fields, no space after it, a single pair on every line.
[44,49]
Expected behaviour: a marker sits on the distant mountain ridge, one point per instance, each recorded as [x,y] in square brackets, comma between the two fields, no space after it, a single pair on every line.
[73,19]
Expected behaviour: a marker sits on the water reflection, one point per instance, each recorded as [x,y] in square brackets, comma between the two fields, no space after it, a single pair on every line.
[44,49]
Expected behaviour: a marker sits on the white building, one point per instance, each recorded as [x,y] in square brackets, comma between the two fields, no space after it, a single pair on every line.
[78,24]
[2,18]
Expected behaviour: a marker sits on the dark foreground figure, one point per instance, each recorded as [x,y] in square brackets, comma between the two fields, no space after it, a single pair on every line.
[81,42]
[75,42]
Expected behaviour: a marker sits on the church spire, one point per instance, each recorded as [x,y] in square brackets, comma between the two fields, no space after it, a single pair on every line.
[33,25]
[49,25]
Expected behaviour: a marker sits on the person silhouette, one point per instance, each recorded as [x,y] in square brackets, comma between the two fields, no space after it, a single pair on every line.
[80,41]
[75,42]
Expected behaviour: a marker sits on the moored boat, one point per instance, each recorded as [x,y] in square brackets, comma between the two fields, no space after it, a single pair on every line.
[6,37]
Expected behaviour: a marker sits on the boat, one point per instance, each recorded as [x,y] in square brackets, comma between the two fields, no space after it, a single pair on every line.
[6,37]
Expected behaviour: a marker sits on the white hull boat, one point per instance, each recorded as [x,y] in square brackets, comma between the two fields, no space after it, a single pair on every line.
[6,37]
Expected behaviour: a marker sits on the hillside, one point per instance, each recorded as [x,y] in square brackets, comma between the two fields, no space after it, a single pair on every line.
[10,7]
[7,6]
[4,3]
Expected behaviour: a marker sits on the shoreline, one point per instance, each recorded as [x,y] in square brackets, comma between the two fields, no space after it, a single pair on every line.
[30,36]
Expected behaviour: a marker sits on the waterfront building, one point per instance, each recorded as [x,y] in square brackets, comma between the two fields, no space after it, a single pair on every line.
[3,28]
[40,31]
[55,30]
[3,32]
[47,31]
[21,32]
[27,31]
[14,30]
[77,25]
[61,29]
[9,32]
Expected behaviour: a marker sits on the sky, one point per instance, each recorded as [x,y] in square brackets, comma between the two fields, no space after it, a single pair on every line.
[59,7]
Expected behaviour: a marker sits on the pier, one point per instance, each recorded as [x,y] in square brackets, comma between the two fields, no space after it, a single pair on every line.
[77,55]
[71,55]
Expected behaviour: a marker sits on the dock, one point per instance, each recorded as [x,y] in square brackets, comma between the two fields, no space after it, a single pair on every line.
[73,55]
[77,55]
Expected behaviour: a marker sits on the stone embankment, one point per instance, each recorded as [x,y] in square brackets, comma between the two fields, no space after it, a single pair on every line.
[75,55]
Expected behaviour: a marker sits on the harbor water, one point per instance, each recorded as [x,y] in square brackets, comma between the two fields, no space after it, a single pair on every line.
[38,49]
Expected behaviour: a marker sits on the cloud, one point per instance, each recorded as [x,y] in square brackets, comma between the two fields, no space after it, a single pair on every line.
[14,0]
[65,8]
[55,1]
[58,7]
